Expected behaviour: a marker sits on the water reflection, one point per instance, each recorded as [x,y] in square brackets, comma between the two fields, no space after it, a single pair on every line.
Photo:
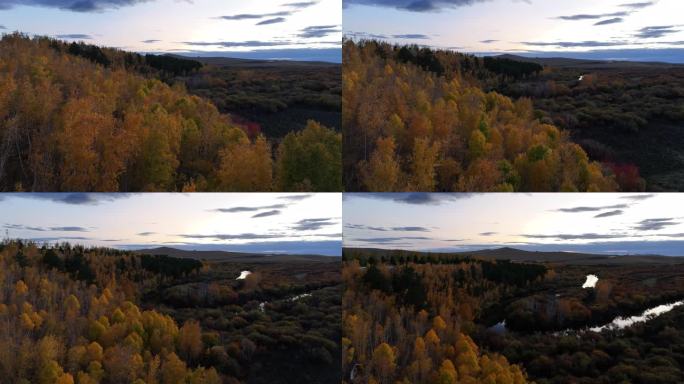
[617,323]
[243,275]
[623,322]
[591,281]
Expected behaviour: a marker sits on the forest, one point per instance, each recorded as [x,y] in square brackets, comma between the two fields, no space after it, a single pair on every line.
[71,314]
[412,321]
[417,119]
[531,318]
[626,115]
[274,97]
[75,117]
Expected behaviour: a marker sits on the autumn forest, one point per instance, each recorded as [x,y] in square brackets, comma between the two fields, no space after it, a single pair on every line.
[77,117]
[413,317]
[72,314]
[418,119]
[341,191]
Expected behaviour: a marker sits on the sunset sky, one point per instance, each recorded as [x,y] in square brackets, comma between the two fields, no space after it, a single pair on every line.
[606,29]
[591,222]
[261,29]
[248,222]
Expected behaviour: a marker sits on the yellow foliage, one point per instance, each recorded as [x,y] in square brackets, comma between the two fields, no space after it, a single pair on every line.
[20,288]
[447,373]
[65,379]
[26,322]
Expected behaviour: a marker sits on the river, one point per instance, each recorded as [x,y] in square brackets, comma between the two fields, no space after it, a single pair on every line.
[618,323]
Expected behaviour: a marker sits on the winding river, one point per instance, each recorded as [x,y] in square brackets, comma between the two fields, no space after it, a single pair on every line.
[651,313]
[618,323]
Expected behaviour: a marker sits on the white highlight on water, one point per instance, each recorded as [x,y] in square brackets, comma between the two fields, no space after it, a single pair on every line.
[591,281]
[243,275]
[651,313]
[303,295]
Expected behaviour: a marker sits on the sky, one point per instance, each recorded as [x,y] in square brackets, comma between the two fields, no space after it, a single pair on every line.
[602,223]
[639,30]
[275,29]
[241,222]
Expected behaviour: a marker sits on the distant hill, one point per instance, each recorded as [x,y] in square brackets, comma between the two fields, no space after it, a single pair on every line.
[255,63]
[519,255]
[564,62]
[514,254]
[237,257]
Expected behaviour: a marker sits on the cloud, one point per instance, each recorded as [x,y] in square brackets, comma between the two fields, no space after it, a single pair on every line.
[250,209]
[316,31]
[274,212]
[574,44]
[414,5]
[46,229]
[654,224]
[415,36]
[73,5]
[387,229]
[365,35]
[150,41]
[260,236]
[411,229]
[592,16]
[614,20]
[366,227]
[58,238]
[275,20]
[70,229]
[488,233]
[416,198]
[3,27]
[273,209]
[147,233]
[617,212]
[301,4]
[591,209]
[655,31]
[638,197]
[383,240]
[297,197]
[255,16]
[313,224]
[638,5]
[582,236]
[489,41]
[241,236]
[70,198]
[76,36]
[24,227]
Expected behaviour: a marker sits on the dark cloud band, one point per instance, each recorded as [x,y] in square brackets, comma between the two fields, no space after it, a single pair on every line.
[73,5]
[614,20]
[414,5]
